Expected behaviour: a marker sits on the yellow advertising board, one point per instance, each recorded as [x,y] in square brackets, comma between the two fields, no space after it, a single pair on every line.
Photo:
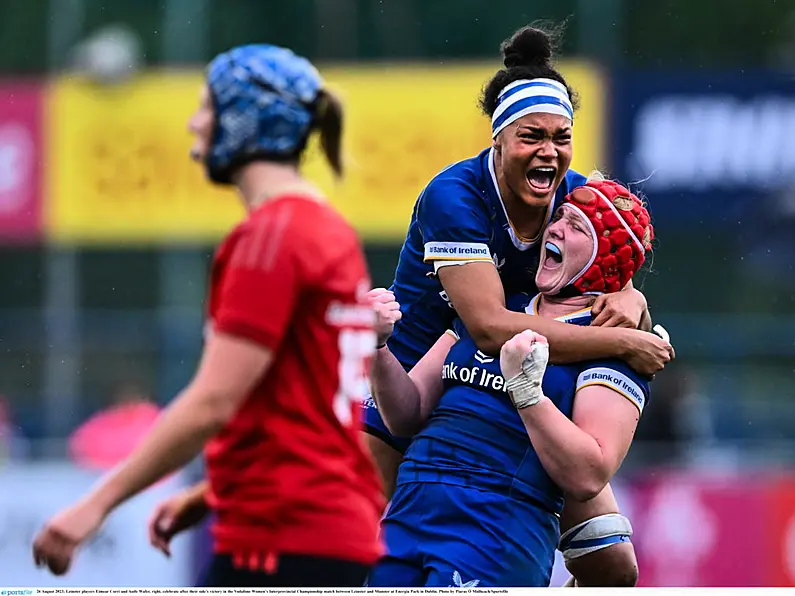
[119,171]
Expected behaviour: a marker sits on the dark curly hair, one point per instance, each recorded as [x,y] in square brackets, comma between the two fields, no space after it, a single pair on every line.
[526,55]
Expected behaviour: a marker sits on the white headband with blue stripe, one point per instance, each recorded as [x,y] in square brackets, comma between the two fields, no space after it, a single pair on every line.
[530,96]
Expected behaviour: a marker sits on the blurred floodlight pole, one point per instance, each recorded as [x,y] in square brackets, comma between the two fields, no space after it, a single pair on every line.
[62,367]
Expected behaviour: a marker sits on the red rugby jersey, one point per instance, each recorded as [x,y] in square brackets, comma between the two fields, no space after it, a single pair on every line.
[289,473]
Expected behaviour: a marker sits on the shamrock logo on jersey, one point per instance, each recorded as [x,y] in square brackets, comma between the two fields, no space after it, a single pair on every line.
[459,583]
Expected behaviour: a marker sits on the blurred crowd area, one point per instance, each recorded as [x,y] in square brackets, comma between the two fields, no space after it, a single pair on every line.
[107,230]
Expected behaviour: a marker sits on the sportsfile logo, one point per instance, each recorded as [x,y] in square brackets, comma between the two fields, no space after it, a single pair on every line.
[474,375]
[17,592]
[621,382]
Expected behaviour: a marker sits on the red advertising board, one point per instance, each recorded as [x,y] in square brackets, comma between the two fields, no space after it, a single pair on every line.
[779,517]
[697,532]
[21,154]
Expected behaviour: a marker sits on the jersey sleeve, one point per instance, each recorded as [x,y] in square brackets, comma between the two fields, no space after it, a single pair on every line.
[454,222]
[619,377]
[574,180]
[374,425]
[261,282]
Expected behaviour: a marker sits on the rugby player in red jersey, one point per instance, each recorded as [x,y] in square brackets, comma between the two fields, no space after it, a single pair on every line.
[275,399]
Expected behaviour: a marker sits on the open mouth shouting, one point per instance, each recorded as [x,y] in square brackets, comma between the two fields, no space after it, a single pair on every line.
[541,179]
[552,257]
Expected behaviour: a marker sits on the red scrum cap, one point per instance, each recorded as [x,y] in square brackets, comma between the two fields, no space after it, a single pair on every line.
[623,234]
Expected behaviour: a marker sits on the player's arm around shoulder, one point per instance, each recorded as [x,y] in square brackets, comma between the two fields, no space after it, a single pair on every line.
[627,308]
[475,291]
[457,232]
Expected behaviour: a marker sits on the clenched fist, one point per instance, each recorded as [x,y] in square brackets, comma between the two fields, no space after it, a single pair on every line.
[387,313]
[523,361]
[57,543]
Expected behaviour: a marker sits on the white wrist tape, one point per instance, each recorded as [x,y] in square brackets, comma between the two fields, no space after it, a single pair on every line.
[525,388]
[523,391]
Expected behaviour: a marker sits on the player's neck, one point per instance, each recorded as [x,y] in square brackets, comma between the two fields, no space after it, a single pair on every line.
[526,221]
[259,182]
[553,306]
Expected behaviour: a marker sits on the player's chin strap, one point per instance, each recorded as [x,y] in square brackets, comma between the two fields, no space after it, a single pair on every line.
[525,388]
[594,534]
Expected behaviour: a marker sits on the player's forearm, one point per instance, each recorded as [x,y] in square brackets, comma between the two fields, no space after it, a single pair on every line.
[177,437]
[397,397]
[571,457]
[567,343]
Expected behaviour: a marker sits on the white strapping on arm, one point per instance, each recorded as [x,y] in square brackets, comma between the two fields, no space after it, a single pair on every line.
[439,264]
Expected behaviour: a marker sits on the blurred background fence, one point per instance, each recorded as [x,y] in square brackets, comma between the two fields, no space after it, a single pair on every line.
[106,228]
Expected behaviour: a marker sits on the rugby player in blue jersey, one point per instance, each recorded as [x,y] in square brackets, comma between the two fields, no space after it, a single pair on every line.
[481,488]
[473,239]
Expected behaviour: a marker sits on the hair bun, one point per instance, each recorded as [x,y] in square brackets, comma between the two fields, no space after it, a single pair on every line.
[529,46]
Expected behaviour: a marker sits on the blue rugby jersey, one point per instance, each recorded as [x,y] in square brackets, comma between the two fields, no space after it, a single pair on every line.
[476,438]
[458,216]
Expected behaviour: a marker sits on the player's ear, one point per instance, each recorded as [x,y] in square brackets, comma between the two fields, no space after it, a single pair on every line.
[495,142]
